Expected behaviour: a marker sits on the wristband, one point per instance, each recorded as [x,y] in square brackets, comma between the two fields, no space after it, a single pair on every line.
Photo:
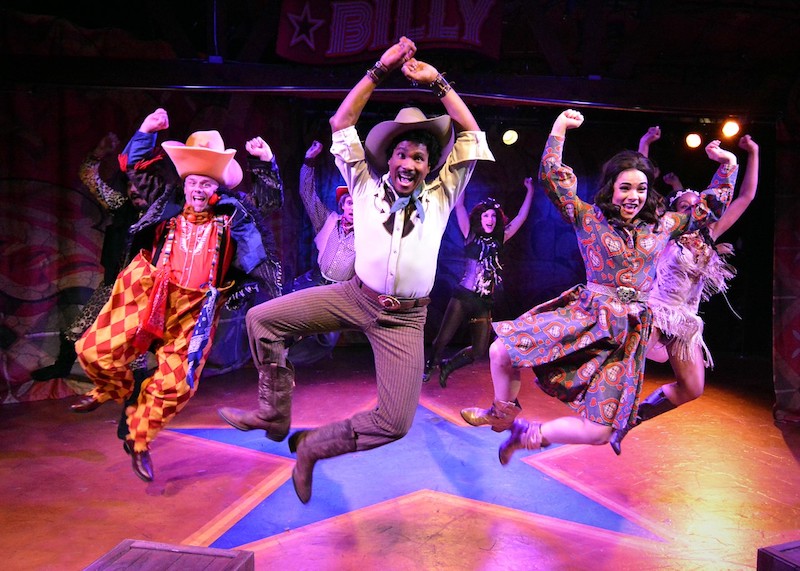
[377,72]
[439,86]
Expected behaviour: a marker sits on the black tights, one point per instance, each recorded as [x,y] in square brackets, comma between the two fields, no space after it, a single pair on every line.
[480,318]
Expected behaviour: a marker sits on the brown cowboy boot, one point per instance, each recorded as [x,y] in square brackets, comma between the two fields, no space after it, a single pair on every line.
[326,441]
[524,435]
[499,416]
[274,412]
[655,404]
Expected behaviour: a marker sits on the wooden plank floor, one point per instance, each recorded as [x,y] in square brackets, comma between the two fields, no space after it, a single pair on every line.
[702,487]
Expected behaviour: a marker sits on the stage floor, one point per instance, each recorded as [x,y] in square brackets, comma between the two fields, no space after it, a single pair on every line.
[703,487]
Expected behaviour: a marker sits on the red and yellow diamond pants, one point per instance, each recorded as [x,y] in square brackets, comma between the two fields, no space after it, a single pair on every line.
[106,350]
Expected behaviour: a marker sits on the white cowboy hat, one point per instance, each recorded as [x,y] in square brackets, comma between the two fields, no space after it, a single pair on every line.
[204,153]
[408,119]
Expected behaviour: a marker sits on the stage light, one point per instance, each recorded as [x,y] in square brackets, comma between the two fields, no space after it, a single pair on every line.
[730,128]
[693,140]
[510,137]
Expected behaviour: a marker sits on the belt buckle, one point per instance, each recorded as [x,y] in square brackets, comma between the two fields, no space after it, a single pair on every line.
[389,302]
[626,294]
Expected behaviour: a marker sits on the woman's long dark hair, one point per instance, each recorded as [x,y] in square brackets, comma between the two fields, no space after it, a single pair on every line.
[622,161]
[475,226]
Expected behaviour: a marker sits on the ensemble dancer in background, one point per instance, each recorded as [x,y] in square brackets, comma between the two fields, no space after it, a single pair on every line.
[689,271]
[196,241]
[587,347]
[485,230]
[399,221]
[336,253]
[124,204]
[650,136]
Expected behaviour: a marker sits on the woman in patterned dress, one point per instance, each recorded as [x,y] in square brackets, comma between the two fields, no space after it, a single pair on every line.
[587,347]
[485,229]
[690,270]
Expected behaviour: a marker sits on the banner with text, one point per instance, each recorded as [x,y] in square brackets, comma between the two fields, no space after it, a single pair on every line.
[318,32]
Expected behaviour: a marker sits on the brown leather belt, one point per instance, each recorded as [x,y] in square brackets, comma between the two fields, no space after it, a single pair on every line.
[390,302]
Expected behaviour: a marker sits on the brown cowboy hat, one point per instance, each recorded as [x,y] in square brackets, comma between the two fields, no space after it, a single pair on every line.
[204,153]
[408,119]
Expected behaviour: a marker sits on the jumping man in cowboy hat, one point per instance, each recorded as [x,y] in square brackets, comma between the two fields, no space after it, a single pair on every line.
[399,221]
[195,241]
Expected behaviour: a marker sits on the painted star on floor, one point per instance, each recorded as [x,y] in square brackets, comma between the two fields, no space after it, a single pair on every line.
[435,455]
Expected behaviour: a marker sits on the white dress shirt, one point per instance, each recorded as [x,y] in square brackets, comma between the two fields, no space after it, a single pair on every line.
[387,261]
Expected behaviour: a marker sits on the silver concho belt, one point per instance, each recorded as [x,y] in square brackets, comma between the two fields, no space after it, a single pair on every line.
[622,293]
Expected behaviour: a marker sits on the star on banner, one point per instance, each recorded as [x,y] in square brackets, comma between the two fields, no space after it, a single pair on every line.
[304,27]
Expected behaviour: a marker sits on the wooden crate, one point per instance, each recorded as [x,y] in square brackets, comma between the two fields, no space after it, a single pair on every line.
[783,557]
[150,556]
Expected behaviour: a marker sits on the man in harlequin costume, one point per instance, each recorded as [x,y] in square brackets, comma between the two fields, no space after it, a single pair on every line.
[195,240]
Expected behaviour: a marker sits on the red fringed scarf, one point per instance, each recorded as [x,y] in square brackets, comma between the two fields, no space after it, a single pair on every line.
[154,318]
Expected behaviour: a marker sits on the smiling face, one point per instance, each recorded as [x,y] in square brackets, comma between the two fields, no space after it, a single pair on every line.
[198,189]
[630,193]
[408,166]
[489,220]
[686,202]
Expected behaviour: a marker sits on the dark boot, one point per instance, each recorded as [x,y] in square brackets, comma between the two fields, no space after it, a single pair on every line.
[326,441]
[524,435]
[655,404]
[274,412]
[63,364]
[430,366]
[500,416]
[141,462]
[460,359]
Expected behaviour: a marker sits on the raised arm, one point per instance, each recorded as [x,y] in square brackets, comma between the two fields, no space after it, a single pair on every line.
[267,186]
[513,226]
[746,193]
[652,135]
[559,181]
[353,104]
[317,212]
[718,195]
[462,215]
[673,181]
[715,199]
[422,73]
[144,140]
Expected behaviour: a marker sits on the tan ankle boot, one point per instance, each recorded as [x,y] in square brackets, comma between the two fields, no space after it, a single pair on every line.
[524,435]
[499,416]
[274,412]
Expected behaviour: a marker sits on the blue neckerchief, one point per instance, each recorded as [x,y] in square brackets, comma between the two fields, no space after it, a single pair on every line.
[403,201]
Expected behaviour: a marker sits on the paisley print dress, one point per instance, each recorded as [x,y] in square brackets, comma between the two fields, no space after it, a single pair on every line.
[587,346]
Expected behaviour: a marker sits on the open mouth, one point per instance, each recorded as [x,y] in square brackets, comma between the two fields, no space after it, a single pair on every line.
[406,178]
[630,207]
